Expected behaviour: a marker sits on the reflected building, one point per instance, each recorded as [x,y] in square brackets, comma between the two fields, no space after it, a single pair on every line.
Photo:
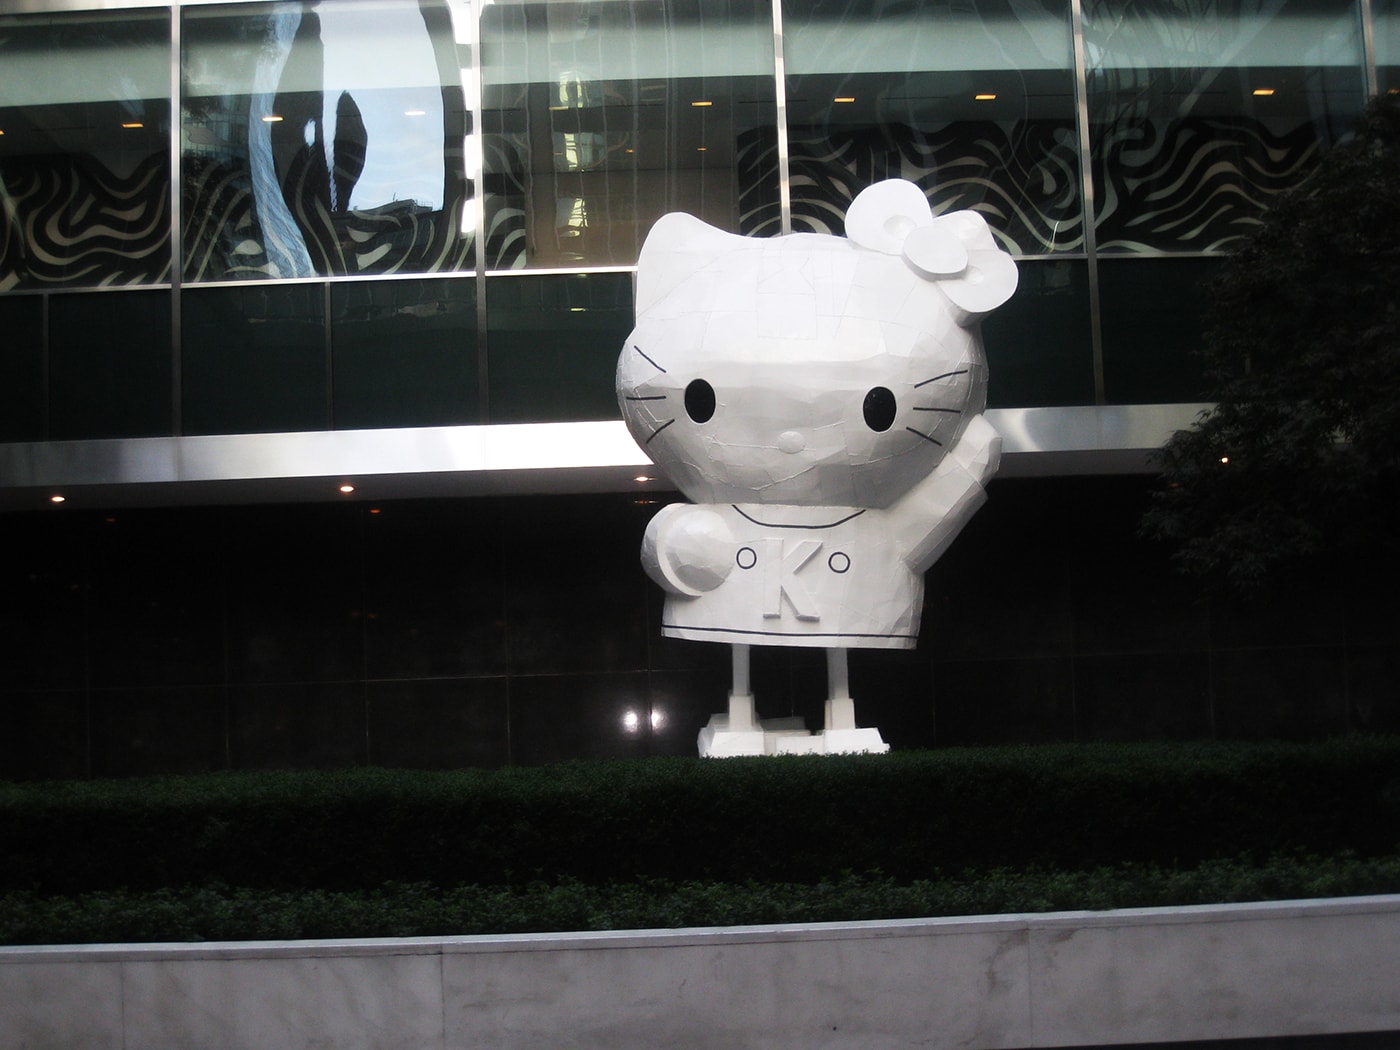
[252,251]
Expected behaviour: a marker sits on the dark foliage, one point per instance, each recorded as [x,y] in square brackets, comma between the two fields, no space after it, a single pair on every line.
[1300,458]
[800,820]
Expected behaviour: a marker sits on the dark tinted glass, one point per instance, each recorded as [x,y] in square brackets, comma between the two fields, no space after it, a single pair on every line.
[21,368]
[254,359]
[109,365]
[553,343]
[405,353]
[1152,326]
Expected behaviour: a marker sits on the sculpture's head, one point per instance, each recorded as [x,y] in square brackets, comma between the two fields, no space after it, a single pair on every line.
[810,369]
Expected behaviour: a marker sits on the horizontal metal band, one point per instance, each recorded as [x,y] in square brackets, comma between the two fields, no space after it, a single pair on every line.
[483,460]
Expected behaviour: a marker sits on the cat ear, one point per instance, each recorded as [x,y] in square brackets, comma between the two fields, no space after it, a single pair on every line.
[677,246]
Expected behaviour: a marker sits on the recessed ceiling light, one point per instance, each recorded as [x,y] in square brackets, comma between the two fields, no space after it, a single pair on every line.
[133,124]
[987,96]
[844,98]
[643,477]
[272,118]
[1263,91]
[56,498]
[701,103]
[347,489]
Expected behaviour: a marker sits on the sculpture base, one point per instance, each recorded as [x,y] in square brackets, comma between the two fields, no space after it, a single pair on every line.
[785,736]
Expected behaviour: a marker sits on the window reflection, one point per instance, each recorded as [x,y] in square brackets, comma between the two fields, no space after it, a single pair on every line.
[1202,111]
[975,103]
[1387,25]
[324,138]
[84,149]
[591,132]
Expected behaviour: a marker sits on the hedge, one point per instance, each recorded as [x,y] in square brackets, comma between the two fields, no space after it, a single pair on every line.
[799,820]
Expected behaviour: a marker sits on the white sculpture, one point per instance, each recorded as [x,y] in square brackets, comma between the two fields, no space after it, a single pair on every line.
[819,400]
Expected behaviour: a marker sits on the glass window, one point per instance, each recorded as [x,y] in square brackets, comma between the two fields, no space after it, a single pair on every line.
[324,138]
[1387,25]
[1201,112]
[22,368]
[405,353]
[118,385]
[1152,312]
[975,103]
[599,117]
[84,149]
[553,341]
[253,359]
[1039,350]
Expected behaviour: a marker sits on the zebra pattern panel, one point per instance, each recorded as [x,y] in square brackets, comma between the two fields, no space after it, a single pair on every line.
[70,221]
[1192,185]
[1023,177]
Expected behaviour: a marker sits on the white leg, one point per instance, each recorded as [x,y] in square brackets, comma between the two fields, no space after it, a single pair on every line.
[741,712]
[840,708]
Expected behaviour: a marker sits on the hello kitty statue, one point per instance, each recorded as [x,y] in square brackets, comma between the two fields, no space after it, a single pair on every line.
[819,399]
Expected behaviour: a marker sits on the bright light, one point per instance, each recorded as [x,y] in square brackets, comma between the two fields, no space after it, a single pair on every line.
[1224,459]
[272,118]
[415,113]
[986,97]
[631,721]
[133,124]
[658,719]
[347,489]
[701,103]
[845,98]
[1263,92]
[57,498]
[640,478]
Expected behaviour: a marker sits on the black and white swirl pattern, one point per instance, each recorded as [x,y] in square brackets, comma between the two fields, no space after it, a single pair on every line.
[70,221]
[1022,177]
[1195,185]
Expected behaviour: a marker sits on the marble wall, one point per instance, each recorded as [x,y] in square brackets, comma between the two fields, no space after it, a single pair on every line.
[521,630]
[1302,972]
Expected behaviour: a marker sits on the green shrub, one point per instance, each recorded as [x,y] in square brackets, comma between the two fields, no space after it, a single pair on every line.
[802,821]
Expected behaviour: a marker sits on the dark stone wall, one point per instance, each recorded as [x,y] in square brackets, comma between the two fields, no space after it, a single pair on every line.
[521,630]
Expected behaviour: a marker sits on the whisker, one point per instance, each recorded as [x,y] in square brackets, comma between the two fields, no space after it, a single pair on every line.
[648,397]
[648,359]
[926,382]
[913,431]
[659,429]
[935,408]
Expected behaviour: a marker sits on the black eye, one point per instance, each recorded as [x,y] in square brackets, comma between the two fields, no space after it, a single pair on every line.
[879,408]
[700,401]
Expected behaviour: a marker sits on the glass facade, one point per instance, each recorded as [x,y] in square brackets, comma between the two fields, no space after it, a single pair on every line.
[324,138]
[1201,112]
[975,103]
[423,212]
[84,149]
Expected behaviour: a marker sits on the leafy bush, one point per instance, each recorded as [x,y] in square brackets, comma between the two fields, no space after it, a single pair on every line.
[676,842]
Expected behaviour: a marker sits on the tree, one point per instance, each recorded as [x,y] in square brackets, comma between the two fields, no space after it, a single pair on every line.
[1300,455]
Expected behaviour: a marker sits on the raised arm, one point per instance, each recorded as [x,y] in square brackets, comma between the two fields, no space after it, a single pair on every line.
[929,517]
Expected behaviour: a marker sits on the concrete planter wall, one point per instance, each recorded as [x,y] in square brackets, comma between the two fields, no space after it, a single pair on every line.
[1067,979]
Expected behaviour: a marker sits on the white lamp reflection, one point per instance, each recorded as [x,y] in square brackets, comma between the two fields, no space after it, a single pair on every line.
[632,720]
